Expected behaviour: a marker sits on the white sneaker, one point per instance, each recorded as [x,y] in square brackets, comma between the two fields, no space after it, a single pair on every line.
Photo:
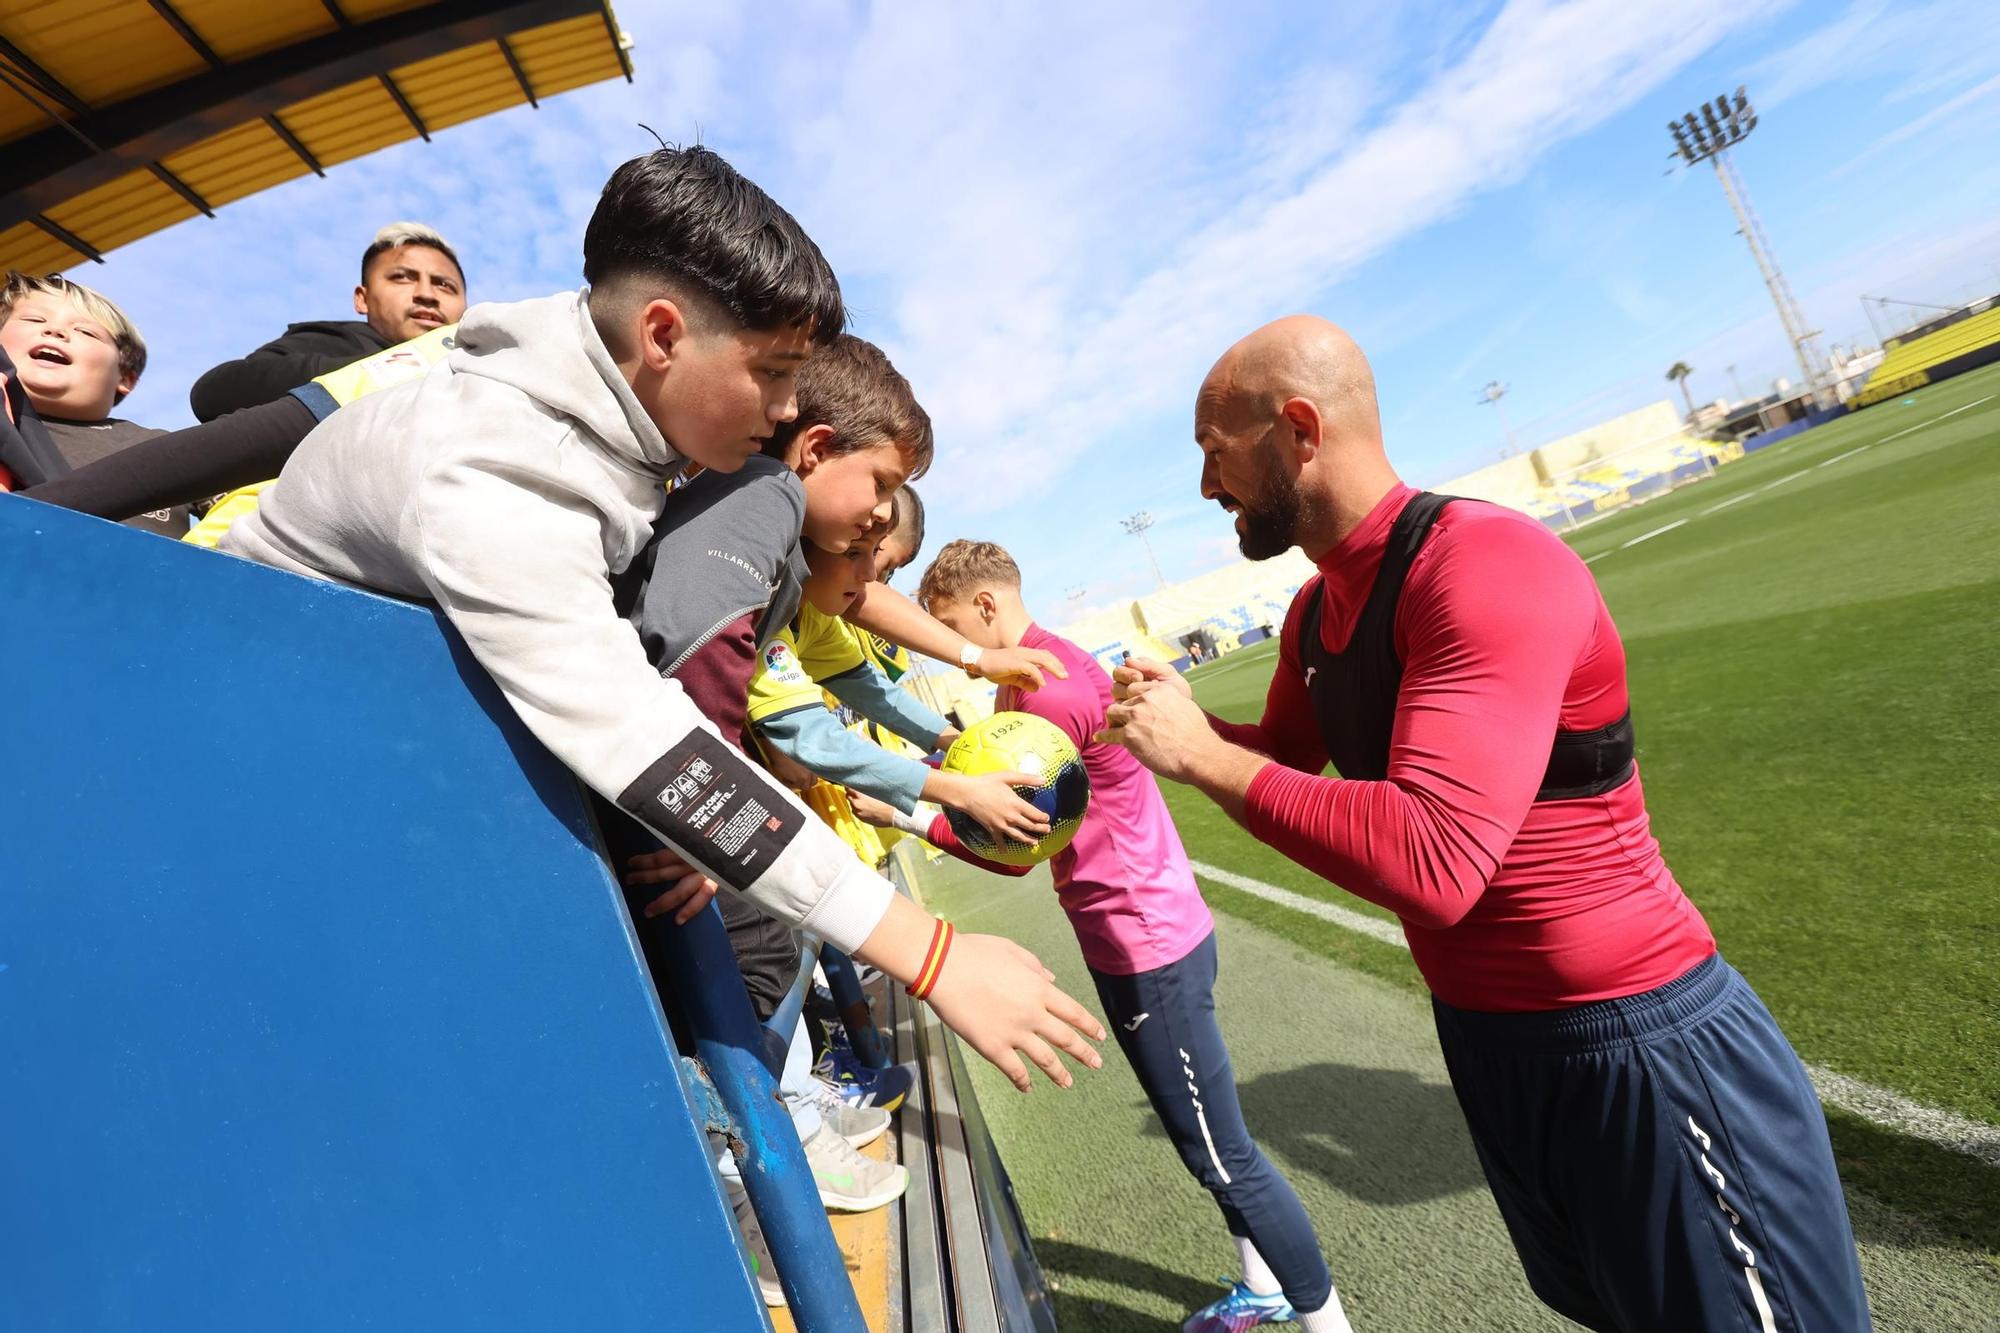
[849,1182]
[859,1125]
[759,1250]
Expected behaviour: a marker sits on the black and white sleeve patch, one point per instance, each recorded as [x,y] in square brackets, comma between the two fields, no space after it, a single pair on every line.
[709,801]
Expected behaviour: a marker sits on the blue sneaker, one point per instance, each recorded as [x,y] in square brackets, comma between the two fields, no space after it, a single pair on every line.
[858,1085]
[1239,1310]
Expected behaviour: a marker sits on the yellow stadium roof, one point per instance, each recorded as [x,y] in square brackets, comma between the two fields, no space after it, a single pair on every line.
[120,117]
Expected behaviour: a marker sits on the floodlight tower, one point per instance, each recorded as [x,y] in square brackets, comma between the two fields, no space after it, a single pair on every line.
[1137,525]
[1707,134]
[1491,396]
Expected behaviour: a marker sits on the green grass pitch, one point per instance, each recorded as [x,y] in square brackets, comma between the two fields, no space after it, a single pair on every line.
[1811,640]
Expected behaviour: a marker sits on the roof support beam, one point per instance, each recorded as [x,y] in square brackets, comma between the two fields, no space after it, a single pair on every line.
[69,238]
[44,81]
[617,38]
[340,19]
[520,75]
[187,34]
[299,150]
[39,171]
[181,188]
[403,105]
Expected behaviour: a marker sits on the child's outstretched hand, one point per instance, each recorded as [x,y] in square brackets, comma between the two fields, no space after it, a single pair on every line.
[689,890]
[1023,667]
[991,799]
[871,811]
[1004,1004]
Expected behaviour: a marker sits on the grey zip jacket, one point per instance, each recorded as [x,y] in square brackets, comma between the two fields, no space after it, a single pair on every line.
[509,486]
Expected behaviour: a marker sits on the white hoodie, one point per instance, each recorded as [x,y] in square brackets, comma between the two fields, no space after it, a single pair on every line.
[508,486]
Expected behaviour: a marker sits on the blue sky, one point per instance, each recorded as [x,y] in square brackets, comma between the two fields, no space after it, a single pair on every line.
[1054,218]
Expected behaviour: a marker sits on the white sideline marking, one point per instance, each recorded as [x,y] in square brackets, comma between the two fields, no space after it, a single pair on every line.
[1849,454]
[1373,927]
[1648,536]
[1732,500]
[1909,430]
[1878,1106]
[1794,476]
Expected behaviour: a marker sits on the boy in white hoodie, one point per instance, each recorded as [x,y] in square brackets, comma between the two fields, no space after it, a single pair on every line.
[516,479]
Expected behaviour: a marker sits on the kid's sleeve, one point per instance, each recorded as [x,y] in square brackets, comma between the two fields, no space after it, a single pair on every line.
[814,737]
[519,564]
[868,692]
[715,557]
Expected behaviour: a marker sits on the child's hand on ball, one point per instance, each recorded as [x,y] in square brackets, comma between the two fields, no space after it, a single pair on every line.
[991,799]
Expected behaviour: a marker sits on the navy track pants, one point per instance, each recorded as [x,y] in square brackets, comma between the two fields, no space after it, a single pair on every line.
[1661,1160]
[1165,1023]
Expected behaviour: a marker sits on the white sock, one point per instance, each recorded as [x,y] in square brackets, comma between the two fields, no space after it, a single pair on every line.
[1257,1274]
[1329,1318]
[1259,1278]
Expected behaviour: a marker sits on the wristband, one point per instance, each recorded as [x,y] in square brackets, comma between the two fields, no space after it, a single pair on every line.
[927,975]
[968,656]
[917,823]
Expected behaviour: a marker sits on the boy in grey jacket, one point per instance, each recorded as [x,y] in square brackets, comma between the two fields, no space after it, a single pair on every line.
[514,481]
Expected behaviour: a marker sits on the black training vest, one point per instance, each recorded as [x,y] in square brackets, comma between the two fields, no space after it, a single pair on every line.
[1354,690]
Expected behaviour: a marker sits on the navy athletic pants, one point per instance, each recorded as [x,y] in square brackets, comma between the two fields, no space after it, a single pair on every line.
[1661,1160]
[1165,1023]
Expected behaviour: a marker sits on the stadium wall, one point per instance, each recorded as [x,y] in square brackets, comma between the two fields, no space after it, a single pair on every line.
[323,1007]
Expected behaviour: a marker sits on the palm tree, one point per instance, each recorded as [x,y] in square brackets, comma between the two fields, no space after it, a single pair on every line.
[1679,372]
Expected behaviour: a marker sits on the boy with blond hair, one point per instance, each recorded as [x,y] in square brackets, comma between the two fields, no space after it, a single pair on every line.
[1149,942]
[77,356]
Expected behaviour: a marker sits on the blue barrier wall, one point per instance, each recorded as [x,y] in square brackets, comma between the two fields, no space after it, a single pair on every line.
[318,1008]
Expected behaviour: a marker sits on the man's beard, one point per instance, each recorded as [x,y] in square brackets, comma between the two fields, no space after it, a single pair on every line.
[1271,521]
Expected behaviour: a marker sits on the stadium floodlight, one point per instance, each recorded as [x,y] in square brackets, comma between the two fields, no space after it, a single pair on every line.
[1706,134]
[1490,396]
[1137,525]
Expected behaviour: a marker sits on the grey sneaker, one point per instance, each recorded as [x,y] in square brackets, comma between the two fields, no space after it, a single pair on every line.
[758,1249]
[849,1182]
[859,1125]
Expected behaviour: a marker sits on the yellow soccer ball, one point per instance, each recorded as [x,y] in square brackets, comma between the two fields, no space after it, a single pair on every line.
[1022,743]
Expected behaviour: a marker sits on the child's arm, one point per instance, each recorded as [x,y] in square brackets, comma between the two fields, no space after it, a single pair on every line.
[931,826]
[518,562]
[884,611]
[814,737]
[871,694]
[520,568]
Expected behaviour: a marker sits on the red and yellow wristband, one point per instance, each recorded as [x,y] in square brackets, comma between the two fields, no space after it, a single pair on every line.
[927,975]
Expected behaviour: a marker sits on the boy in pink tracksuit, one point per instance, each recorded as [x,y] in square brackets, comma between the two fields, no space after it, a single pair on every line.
[1149,942]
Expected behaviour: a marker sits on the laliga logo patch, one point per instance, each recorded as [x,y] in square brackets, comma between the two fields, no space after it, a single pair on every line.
[783,665]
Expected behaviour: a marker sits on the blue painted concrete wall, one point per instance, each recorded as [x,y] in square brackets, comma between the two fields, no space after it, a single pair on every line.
[318,1008]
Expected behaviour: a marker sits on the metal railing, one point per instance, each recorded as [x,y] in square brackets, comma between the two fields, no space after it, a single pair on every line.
[694,968]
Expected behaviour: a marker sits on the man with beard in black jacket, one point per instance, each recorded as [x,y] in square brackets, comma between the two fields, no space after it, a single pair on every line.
[411,283]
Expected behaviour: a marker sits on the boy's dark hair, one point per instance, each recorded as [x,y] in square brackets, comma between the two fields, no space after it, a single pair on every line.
[909,519]
[689,219]
[850,385]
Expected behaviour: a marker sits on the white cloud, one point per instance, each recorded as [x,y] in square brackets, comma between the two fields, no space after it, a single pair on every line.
[1067,244]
